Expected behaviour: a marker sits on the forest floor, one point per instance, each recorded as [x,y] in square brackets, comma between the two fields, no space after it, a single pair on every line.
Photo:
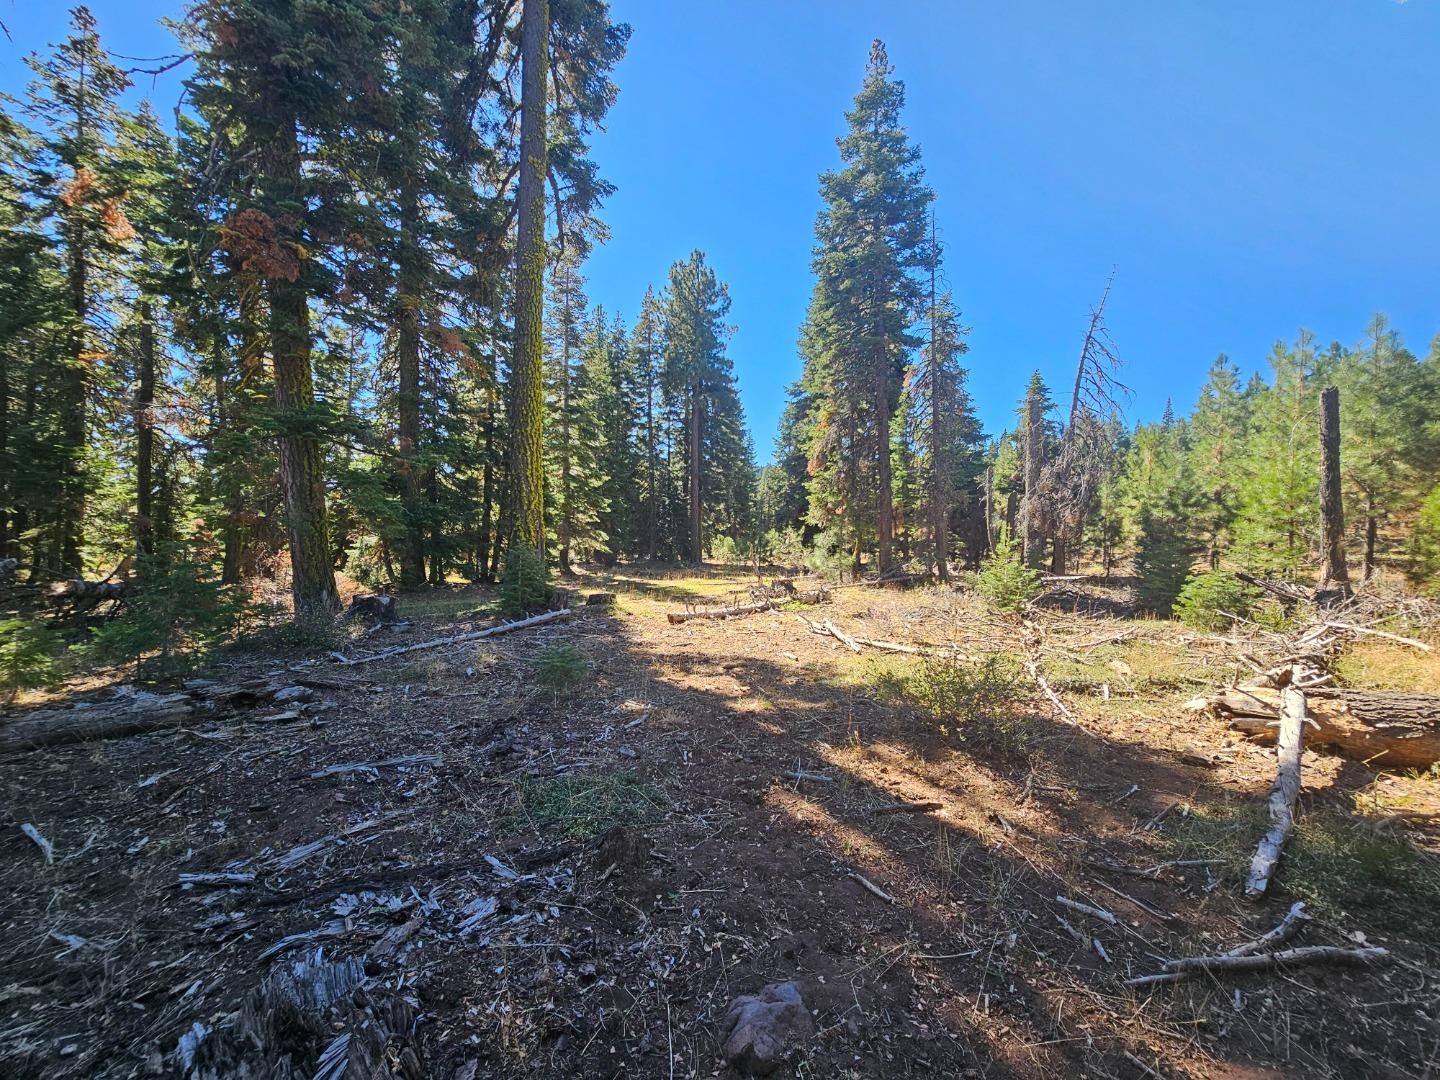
[577,882]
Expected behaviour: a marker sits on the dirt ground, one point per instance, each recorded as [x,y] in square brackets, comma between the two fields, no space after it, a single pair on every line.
[576,882]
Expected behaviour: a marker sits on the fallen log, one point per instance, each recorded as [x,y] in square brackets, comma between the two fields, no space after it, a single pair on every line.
[1305,954]
[1283,792]
[815,596]
[455,639]
[1391,729]
[91,720]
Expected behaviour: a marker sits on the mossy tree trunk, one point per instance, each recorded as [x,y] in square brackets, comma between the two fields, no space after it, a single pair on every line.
[527,393]
[302,480]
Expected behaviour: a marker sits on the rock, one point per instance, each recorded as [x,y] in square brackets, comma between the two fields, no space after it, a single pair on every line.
[760,1030]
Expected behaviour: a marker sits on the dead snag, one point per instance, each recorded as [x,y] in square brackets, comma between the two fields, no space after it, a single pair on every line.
[1333,573]
[1282,793]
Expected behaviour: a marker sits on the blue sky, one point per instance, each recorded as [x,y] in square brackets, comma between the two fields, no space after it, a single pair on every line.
[1247,169]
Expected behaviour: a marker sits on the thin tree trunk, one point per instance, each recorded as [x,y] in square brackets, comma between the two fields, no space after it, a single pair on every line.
[1333,572]
[527,379]
[1372,530]
[145,436]
[407,400]
[696,458]
[1034,539]
[562,527]
[227,479]
[73,418]
[652,515]
[883,478]
[6,473]
[487,488]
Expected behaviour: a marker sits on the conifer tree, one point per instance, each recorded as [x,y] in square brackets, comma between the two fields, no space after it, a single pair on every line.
[869,246]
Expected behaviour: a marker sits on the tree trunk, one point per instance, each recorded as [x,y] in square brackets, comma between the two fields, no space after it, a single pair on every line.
[1372,530]
[883,478]
[145,436]
[407,400]
[73,418]
[6,474]
[487,489]
[302,480]
[696,419]
[652,510]
[1034,539]
[1332,511]
[527,378]
[562,526]
[1387,729]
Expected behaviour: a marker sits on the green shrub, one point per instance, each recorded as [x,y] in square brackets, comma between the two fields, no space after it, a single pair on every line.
[975,703]
[1425,545]
[27,657]
[524,583]
[582,807]
[560,668]
[175,615]
[1004,581]
[1163,558]
[1206,599]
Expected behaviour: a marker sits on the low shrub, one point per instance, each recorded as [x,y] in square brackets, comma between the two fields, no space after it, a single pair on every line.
[582,807]
[27,657]
[560,668]
[1207,598]
[1003,581]
[524,582]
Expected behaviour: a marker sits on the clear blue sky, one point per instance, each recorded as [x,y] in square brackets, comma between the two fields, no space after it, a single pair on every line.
[1248,169]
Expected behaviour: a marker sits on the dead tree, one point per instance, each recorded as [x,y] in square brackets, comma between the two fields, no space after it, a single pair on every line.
[1075,475]
[1333,572]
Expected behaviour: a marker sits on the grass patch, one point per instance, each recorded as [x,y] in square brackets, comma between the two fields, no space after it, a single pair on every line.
[1385,665]
[582,807]
[1337,863]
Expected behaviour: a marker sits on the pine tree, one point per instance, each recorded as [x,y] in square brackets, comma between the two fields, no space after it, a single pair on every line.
[869,245]
[696,371]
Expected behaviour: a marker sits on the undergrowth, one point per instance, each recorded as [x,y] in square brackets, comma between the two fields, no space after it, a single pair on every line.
[974,703]
[1338,863]
[560,668]
[582,807]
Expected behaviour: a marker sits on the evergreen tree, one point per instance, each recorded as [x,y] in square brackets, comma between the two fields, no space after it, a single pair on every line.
[869,245]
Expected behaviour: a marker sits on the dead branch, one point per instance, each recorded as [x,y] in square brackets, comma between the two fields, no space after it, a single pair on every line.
[1086,909]
[1287,928]
[870,887]
[815,596]
[1307,954]
[1282,794]
[456,639]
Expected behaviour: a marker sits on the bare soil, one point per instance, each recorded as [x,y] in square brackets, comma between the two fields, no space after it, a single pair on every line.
[615,953]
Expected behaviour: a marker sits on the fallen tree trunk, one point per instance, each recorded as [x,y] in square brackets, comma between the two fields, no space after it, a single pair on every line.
[456,639]
[1391,729]
[815,596]
[94,720]
[1283,792]
[829,629]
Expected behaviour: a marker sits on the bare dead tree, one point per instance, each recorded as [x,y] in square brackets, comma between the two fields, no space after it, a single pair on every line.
[1074,477]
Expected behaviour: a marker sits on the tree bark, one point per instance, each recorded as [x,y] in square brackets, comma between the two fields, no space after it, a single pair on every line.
[1333,573]
[1034,540]
[883,478]
[407,399]
[1283,793]
[527,378]
[73,418]
[302,480]
[1388,729]
[696,419]
[145,435]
